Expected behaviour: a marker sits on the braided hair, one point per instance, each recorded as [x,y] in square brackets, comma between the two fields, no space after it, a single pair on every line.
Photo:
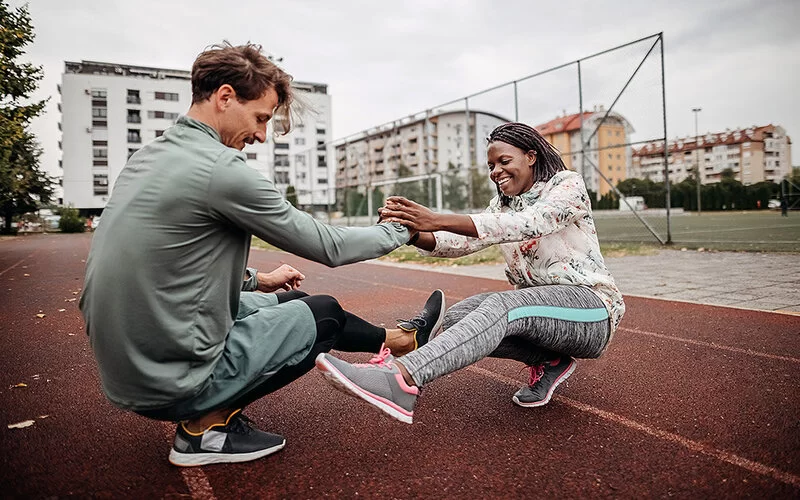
[548,159]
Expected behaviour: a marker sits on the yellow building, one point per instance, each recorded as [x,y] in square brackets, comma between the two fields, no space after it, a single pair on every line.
[608,156]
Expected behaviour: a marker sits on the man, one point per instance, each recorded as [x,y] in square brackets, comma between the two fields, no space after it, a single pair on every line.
[175,323]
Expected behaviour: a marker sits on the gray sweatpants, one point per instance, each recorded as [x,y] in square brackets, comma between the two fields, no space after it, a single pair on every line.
[531,325]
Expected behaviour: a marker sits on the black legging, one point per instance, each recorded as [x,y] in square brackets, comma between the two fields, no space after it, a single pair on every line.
[336,329]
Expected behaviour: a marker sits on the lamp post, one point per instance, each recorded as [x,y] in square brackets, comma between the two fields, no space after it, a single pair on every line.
[697,156]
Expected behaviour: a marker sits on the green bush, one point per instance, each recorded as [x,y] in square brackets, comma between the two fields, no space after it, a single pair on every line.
[71,221]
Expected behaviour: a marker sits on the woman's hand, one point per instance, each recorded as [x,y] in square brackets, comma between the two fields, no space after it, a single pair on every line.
[414,216]
[285,277]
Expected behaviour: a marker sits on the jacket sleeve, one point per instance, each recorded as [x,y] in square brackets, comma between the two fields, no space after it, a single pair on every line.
[244,198]
[563,204]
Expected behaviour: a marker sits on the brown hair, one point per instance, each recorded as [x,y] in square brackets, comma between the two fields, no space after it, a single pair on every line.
[248,71]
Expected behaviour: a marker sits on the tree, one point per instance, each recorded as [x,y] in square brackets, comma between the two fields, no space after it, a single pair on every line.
[22,184]
[455,189]
[483,189]
[415,190]
[291,195]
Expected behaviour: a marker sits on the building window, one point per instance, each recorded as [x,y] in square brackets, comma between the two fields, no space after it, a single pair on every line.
[99,153]
[166,96]
[322,180]
[99,143]
[281,145]
[99,112]
[281,161]
[100,163]
[299,141]
[281,177]
[134,116]
[300,160]
[133,97]
[251,156]
[134,135]
[320,131]
[159,133]
[162,114]
[322,161]
[100,93]
[100,184]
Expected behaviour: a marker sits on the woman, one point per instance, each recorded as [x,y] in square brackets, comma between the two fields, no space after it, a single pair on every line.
[565,304]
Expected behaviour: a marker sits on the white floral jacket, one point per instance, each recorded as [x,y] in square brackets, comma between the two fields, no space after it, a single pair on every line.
[547,237]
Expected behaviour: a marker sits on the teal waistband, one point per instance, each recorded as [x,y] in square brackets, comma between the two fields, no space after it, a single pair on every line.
[565,313]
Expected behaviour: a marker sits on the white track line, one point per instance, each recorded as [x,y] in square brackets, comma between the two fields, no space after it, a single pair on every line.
[738,350]
[721,455]
[194,477]
[13,266]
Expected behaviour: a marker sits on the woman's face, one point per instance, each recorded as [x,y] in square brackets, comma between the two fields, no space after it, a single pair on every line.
[510,168]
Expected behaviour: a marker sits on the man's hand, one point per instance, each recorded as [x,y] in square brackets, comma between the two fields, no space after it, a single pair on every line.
[284,278]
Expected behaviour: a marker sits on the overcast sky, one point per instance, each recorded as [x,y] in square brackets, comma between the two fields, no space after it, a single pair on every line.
[736,59]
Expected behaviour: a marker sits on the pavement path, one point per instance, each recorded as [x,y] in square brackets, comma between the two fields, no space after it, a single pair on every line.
[763,281]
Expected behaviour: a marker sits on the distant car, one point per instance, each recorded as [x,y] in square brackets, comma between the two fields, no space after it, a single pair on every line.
[774,204]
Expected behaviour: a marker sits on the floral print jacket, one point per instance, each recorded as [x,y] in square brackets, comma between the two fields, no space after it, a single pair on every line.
[547,237]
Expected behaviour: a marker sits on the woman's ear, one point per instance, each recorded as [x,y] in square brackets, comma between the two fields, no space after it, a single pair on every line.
[531,157]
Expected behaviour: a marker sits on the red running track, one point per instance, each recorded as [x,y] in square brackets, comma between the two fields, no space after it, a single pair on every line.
[689,401]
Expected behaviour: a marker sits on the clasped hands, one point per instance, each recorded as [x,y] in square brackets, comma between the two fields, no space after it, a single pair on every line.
[416,217]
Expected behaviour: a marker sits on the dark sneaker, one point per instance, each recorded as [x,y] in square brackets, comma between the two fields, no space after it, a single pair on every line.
[234,441]
[544,379]
[378,382]
[427,323]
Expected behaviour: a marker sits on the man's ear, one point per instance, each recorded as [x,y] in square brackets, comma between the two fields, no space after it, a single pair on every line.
[223,97]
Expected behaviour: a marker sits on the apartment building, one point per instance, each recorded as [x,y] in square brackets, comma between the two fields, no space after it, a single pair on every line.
[108,111]
[423,144]
[754,154]
[607,152]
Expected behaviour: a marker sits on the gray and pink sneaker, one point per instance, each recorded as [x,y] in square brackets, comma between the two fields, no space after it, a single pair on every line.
[543,380]
[378,382]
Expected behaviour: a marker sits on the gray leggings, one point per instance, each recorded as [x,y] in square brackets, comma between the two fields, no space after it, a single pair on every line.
[531,325]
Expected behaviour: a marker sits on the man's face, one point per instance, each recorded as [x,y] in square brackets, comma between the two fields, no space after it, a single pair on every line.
[245,122]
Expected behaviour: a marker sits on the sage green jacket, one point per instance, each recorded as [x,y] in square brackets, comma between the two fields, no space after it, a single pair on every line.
[165,271]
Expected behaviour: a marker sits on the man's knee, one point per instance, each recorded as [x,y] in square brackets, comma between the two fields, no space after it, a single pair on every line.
[326,309]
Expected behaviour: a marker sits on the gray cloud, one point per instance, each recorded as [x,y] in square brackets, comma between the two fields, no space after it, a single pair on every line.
[384,60]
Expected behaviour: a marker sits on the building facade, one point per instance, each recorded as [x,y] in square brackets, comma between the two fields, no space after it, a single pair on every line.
[421,145]
[608,154]
[754,154]
[108,111]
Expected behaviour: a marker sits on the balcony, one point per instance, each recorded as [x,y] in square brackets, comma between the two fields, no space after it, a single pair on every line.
[134,119]
[134,99]
[134,138]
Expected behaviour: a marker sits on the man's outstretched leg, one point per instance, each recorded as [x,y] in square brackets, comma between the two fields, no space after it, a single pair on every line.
[225,435]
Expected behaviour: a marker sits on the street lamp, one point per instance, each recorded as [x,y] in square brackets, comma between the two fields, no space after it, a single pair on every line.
[697,156]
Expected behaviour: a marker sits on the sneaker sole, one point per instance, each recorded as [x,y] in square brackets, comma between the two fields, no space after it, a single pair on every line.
[564,376]
[194,459]
[342,383]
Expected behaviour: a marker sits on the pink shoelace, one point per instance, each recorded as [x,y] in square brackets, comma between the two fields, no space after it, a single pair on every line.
[536,373]
[380,358]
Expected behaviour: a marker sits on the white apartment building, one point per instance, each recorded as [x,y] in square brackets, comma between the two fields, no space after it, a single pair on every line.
[108,111]
[755,154]
[424,145]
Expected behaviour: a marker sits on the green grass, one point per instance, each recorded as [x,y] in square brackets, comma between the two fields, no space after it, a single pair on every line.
[762,231]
